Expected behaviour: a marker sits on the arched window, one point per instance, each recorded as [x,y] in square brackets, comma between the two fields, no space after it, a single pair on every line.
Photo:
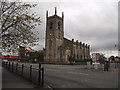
[50,44]
[51,25]
[59,25]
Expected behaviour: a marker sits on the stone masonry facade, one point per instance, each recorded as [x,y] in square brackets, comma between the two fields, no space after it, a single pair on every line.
[57,47]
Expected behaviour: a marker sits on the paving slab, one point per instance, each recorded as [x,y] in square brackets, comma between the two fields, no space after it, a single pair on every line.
[11,80]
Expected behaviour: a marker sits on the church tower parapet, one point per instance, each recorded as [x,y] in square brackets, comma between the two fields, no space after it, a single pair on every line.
[54,36]
[77,42]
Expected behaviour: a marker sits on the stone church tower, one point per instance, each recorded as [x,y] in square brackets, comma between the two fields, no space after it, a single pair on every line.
[54,36]
[57,47]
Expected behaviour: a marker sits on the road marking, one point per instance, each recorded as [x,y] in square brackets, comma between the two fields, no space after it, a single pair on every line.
[53,70]
[67,72]
[66,68]
[78,73]
[50,87]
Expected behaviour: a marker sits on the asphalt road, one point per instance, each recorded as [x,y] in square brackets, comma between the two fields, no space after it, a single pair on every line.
[72,76]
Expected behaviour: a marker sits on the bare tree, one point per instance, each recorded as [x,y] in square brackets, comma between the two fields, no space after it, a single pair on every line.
[17,25]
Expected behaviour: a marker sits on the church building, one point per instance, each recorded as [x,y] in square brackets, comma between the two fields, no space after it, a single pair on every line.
[57,47]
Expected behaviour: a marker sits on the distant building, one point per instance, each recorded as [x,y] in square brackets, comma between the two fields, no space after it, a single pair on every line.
[57,47]
[114,58]
[10,57]
[117,58]
[25,53]
[95,57]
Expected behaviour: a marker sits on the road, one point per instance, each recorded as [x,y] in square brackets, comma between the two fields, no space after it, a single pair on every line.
[72,76]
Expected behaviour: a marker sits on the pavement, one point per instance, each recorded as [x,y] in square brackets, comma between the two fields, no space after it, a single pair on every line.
[11,80]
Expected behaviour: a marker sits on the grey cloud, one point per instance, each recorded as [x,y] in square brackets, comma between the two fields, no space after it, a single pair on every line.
[94,23]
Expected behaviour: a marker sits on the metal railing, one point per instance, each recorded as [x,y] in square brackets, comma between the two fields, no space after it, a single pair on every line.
[36,75]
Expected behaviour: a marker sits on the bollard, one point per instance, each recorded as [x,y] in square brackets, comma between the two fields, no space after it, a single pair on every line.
[22,68]
[39,77]
[43,76]
[30,71]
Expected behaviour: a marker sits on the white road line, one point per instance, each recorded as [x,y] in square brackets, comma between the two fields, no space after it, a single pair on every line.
[83,73]
[53,70]
[77,73]
[50,87]
[66,68]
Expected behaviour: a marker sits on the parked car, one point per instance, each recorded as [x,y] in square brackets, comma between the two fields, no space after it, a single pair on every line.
[19,60]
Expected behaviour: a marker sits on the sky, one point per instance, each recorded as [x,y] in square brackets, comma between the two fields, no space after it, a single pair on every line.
[94,22]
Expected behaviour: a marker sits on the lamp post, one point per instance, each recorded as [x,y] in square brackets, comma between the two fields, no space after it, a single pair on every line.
[118,49]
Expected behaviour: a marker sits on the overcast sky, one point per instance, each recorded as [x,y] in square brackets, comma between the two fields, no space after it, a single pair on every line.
[94,22]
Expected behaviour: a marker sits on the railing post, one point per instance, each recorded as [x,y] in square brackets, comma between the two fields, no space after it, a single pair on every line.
[43,76]
[6,65]
[22,68]
[30,71]
[2,63]
[39,77]
[9,66]
[12,66]
[16,68]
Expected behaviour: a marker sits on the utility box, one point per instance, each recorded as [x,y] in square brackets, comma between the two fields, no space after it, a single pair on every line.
[96,65]
[88,65]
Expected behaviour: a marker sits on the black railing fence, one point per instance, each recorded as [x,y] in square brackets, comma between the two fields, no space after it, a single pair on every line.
[36,75]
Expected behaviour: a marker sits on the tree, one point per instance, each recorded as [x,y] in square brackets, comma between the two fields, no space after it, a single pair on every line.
[102,58]
[112,58]
[37,55]
[17,25]
[117,58]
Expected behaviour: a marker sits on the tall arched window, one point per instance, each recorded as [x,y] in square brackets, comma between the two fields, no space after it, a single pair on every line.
[59,25]
[51,25]
[50,44]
